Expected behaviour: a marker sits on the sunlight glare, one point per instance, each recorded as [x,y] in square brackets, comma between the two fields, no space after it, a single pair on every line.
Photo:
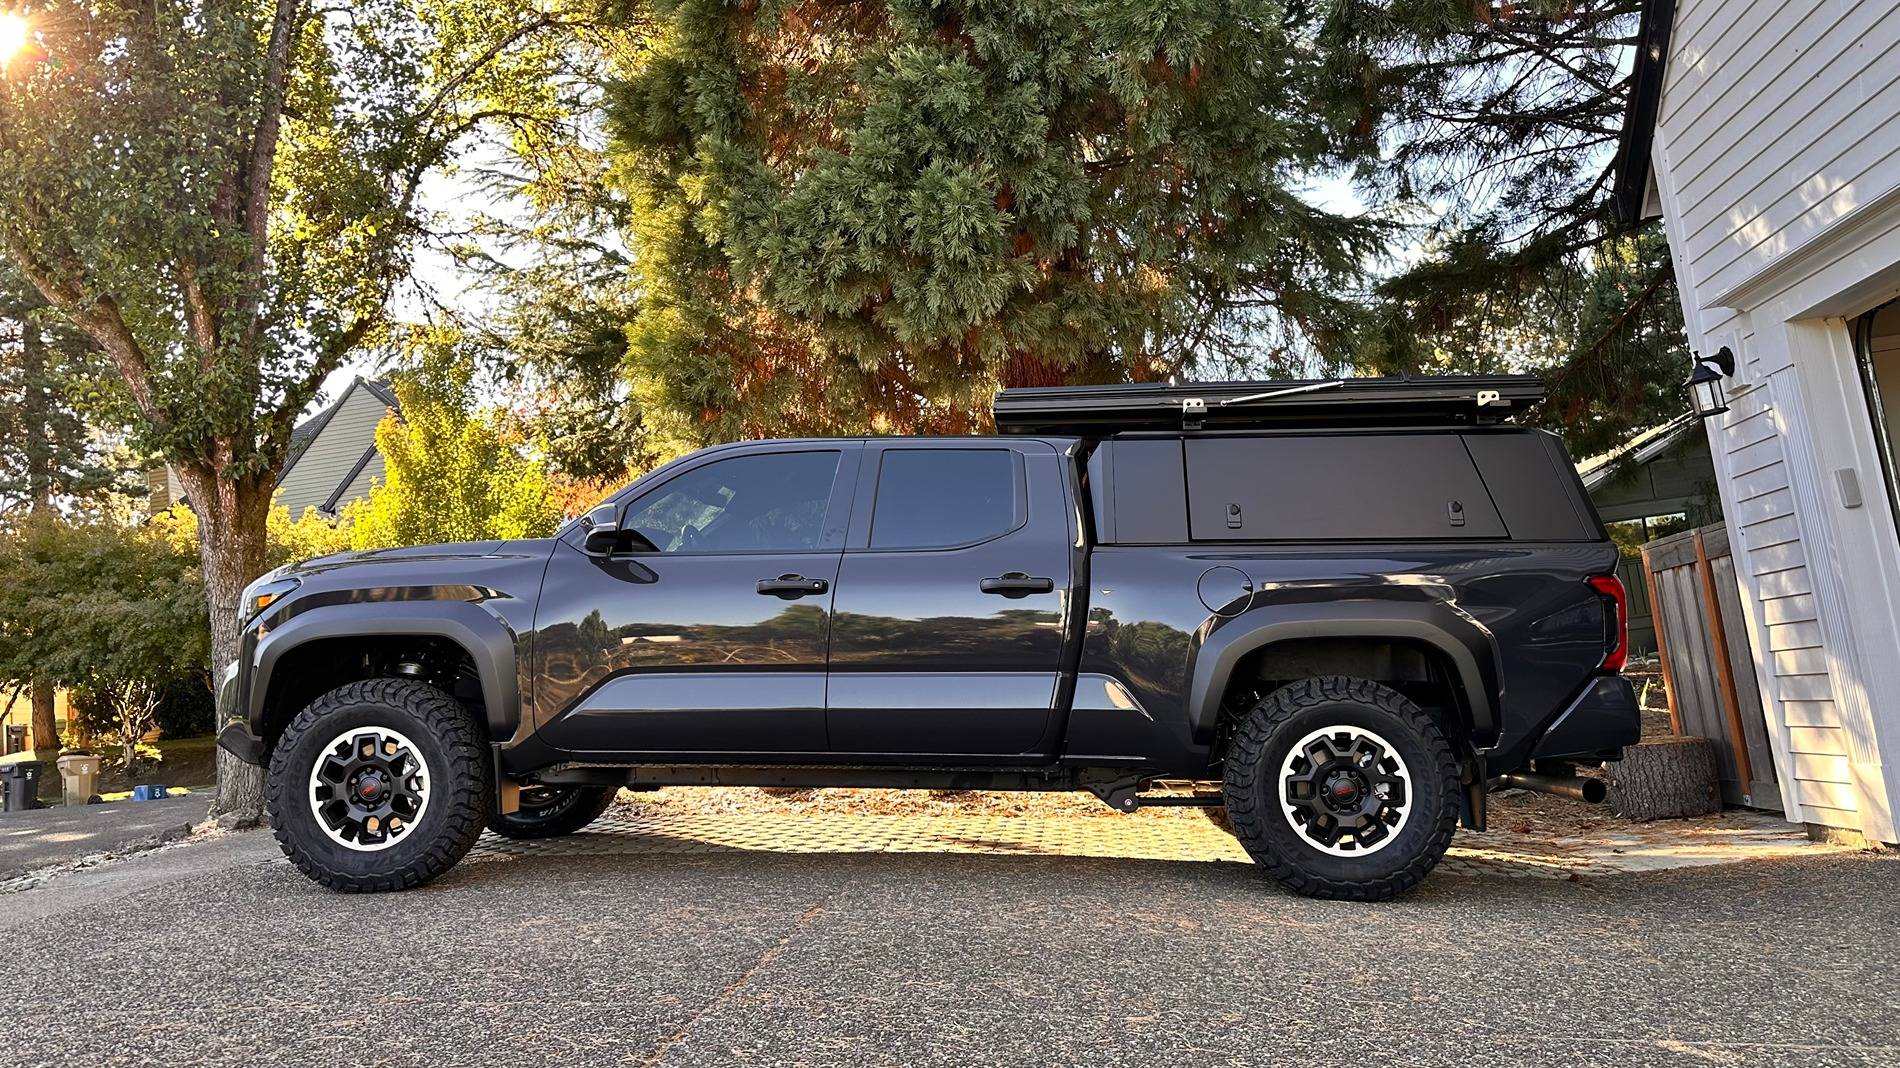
[13,36]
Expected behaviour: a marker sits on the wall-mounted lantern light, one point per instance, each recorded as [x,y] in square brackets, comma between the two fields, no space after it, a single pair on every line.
[1705,382]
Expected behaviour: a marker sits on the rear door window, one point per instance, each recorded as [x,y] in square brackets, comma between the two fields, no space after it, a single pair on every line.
[1334,487]
[940,498]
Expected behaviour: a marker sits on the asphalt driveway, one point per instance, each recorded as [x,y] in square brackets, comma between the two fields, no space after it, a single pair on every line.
[218,952]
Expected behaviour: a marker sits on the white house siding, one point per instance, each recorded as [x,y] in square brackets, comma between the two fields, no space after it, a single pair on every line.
[337,448]
[1777,161]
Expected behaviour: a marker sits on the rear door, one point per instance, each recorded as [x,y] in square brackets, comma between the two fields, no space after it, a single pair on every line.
[952,601]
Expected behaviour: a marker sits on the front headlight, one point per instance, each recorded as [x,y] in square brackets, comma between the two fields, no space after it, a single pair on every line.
[261,594]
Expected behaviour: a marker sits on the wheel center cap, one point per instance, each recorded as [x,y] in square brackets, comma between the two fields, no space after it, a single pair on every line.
[1342,791]
[371,785]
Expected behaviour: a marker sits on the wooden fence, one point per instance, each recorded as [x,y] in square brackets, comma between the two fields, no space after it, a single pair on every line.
[1708,670]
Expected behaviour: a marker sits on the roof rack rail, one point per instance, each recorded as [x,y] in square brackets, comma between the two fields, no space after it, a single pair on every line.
[1096,411]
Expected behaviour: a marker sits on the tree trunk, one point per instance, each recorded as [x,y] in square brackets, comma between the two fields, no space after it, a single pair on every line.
[232,517]
[38,455]
[45,725]
[1665,778]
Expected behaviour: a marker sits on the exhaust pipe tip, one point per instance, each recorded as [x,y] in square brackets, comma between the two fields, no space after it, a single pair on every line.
[1576,787]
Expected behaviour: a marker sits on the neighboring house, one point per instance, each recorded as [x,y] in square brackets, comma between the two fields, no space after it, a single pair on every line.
[1767,137]
[1657,483]
[333,456]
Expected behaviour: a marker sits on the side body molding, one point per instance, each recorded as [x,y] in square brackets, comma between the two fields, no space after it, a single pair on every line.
[1464,642]
[488,641]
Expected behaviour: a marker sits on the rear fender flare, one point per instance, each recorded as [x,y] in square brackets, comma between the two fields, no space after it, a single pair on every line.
[1464,642]
[487,640]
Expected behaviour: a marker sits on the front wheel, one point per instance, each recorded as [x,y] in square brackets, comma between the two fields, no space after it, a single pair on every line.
[552,811]
[1342,788]
[379,785]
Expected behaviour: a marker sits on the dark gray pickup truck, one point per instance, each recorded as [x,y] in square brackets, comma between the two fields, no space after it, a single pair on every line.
[1343,610]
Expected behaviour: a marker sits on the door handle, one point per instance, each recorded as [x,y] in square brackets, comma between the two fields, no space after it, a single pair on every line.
[792,586]
[1017,584]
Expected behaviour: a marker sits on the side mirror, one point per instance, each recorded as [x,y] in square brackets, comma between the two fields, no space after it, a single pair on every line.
[602,524]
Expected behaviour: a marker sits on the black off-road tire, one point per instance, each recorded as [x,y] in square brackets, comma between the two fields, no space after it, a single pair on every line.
[452,747]
[1260,743]
[576,807]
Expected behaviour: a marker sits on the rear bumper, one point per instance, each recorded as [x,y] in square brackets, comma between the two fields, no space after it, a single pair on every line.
[1596,726]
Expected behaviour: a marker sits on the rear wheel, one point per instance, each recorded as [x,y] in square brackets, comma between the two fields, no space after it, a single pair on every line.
[1342,788]
[379,785]
[552,811]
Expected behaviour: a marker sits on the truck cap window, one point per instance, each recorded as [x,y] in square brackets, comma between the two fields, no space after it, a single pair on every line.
[936,498]
[768,503]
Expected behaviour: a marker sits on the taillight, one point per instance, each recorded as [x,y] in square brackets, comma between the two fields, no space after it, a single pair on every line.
[1616,620]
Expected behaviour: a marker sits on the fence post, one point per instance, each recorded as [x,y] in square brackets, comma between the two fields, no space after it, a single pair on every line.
[1650,581]
[1724,671]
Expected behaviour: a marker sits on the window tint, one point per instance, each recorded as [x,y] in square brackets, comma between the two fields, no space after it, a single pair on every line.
[769,503]
[929,498]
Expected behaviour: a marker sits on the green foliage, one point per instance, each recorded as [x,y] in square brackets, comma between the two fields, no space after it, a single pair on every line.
[869,215]
[115,613]
[452,473]
[50,384]
[1496,130]
[306,537]
[224,193]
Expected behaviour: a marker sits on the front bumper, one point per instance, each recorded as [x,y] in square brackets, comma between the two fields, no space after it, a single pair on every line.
[1596,726]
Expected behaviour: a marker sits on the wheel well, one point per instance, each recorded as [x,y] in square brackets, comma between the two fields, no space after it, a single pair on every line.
[1417,669]
[318,666]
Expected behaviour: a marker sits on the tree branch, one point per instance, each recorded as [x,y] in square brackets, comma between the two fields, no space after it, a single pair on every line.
[263,161]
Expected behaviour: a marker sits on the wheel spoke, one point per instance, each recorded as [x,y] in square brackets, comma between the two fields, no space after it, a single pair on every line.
[368,788]
[1345,790]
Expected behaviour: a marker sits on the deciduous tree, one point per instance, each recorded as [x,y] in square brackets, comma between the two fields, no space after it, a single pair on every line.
[451,471]
[116,612]
[223,194]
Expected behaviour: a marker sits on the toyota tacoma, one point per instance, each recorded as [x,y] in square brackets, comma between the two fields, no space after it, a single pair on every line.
[1338,611]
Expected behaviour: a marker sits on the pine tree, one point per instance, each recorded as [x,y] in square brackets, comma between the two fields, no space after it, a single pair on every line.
[1495,129]
[50,457]
[869,215]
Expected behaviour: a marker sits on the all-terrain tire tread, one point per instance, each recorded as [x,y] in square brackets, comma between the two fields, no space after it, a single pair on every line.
[462,812]
[1244,764]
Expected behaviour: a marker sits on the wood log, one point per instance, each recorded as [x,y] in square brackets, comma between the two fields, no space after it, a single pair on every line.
[1665,778]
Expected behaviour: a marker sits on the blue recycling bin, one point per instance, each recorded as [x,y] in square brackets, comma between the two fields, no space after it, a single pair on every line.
[149,793]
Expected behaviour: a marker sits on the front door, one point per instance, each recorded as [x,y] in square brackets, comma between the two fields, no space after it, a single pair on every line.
[705,634]
[951,610]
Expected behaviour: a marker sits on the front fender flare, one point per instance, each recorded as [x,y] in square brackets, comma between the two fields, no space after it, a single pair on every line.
[1464,642]
[489,642]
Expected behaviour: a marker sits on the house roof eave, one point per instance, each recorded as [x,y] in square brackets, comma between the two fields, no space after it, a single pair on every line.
[1629,198]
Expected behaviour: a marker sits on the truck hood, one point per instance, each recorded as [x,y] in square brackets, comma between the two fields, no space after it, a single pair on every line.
[419,554]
